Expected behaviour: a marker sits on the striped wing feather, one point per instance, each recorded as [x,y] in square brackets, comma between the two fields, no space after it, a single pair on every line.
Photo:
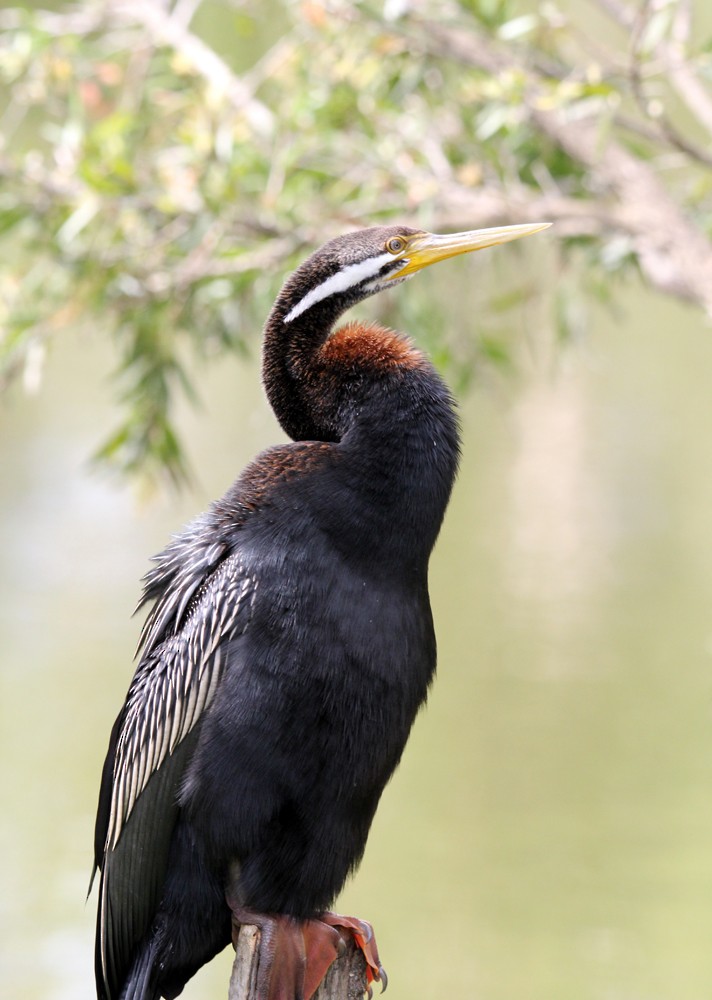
[183,656]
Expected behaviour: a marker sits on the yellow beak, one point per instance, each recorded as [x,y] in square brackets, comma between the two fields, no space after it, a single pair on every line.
[427,248]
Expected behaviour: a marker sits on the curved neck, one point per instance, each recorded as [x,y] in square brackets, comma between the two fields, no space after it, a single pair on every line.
[288,356]
[372,391]
[393,471]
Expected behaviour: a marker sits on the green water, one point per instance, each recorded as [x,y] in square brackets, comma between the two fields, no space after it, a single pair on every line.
[549,834]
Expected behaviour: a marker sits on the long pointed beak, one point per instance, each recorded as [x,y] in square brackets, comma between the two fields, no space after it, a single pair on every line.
[424,249]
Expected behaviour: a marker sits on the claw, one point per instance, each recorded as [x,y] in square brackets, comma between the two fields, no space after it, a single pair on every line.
[367,933]
[362,933]
[295,954]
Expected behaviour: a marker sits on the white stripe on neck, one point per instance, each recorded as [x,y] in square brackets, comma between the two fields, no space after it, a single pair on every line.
[347,277]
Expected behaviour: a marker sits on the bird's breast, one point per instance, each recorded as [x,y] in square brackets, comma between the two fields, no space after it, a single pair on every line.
[331,648]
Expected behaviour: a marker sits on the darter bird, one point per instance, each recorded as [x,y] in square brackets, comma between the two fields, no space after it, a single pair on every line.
[287,651]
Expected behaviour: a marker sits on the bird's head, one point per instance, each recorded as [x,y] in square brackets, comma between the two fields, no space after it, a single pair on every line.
[354,266]
[304,383]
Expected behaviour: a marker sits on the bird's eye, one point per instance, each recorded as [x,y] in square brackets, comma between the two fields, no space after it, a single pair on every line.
[395,245]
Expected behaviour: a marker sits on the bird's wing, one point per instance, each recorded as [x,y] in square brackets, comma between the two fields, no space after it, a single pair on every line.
[184,652]
[181,570]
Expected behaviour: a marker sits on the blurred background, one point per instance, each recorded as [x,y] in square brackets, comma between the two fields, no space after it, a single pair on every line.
[547,836]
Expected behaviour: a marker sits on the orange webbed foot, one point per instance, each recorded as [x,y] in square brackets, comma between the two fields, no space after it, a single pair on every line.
[362,933]
[294,955]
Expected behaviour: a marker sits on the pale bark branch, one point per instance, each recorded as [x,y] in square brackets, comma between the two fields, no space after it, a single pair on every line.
[173,32]
[463,207]
[674,55]
[627,194]
[163,28]
[674,254]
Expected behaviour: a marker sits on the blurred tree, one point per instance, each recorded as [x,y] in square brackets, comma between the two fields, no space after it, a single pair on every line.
[160,173]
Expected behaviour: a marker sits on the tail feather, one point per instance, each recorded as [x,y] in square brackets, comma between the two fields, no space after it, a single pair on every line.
[138,984]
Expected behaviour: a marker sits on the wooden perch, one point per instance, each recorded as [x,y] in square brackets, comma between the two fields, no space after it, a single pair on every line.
[345,980]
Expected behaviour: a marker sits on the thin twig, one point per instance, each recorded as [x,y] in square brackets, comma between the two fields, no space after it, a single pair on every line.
[670,133]
[673,253]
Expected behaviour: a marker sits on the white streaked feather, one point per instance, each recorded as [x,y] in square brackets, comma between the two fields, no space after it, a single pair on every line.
[347,277]
[191,700]
[164,733]
[173,687]
[173,713]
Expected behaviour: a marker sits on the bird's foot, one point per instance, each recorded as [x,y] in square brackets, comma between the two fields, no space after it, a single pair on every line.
[362,933]
[293,955]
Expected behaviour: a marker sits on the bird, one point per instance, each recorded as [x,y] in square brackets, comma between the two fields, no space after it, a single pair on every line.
[287,650]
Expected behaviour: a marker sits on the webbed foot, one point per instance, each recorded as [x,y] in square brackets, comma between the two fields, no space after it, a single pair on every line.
[362,933]
[294,955]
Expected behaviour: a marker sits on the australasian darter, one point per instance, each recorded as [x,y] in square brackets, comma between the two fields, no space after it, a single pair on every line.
[288,649]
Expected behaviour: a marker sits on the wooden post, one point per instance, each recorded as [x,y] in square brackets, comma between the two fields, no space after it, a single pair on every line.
[345,980]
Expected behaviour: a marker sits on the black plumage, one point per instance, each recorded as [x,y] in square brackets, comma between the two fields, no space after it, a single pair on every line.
[288,649]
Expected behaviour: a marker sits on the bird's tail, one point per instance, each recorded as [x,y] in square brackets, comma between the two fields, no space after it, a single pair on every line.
[138,984]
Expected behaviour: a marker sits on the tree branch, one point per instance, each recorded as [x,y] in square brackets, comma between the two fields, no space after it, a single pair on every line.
[675,256]
[674,55]
[173,32]
[462,206]
[164,29]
